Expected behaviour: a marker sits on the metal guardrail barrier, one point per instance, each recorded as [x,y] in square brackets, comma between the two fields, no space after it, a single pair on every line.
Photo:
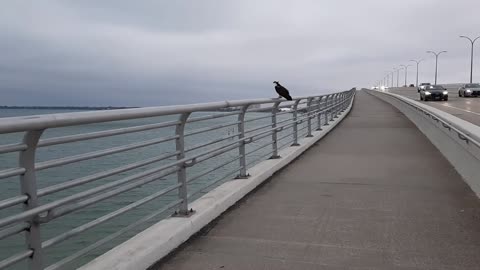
[192,137]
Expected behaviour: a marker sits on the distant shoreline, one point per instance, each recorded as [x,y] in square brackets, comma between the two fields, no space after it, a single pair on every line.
[83,108]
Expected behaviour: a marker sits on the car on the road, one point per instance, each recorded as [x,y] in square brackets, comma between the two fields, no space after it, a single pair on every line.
[433,92]
[422,86]
[411,85]
[469,90]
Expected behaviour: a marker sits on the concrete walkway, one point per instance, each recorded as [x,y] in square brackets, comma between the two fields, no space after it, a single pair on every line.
[373,194]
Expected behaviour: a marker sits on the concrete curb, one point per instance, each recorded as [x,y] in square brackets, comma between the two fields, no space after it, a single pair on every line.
[157,241]
[465,157]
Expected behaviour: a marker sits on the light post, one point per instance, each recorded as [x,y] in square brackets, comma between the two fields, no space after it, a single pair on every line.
[392,79]
[406,70]
[398,74]
[471,57]
[418,62]
[436,62]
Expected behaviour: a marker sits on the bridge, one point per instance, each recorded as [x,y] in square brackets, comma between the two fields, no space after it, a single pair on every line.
[359,180]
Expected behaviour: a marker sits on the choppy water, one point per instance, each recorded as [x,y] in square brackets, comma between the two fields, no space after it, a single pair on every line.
[10,187]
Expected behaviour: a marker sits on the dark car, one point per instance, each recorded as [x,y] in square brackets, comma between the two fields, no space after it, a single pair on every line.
[422,86]
[469,90]
[411,85]
[434,92]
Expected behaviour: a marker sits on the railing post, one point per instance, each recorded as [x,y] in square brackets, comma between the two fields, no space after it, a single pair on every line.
[295,123]
[274,131]
[241,144]
[182,169]
[326,110]
[338,104]
[319,114]
[334,98]
[309,117]
[28,185]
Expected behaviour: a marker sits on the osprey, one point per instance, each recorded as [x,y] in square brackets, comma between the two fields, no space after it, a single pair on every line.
[282,91]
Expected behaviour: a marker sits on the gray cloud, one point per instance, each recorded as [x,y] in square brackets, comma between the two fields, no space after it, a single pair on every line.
[167,52]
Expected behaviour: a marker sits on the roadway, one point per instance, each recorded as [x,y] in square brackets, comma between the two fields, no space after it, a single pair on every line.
[467,109]
[373,194]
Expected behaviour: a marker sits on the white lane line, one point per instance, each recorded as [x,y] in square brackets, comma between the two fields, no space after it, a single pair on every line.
[450,106]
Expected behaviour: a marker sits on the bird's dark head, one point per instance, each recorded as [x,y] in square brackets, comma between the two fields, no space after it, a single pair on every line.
[276,82]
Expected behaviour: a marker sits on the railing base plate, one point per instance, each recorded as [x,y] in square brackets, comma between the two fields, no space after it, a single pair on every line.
[188,214]
[242,176]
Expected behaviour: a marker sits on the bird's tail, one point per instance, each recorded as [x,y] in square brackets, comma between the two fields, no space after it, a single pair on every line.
[288,97]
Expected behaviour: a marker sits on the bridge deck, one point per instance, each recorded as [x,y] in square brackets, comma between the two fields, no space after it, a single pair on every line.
[374,194]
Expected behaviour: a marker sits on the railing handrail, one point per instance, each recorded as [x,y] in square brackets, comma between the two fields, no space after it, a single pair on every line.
[36,122]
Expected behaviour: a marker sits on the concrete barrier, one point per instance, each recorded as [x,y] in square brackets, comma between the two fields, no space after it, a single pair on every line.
[154,243]
[457,139]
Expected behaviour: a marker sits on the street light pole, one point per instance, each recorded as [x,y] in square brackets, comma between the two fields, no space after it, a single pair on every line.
[406,70]
[418,62]
[471,57]
[398,74]
[436,62]
[392,78]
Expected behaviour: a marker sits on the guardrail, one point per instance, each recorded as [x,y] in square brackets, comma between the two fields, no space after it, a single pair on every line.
[459,141]
[186,138]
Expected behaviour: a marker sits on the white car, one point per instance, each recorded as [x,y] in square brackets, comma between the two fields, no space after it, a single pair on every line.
[469,90]
[422,86]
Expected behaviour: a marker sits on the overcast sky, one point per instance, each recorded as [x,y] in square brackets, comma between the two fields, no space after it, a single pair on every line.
[144,53]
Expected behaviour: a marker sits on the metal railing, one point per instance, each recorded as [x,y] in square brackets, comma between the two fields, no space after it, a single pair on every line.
[167,161]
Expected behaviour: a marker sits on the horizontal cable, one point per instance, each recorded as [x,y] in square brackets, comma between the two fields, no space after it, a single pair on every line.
[285,136]
[285,144]
[13,201]
[258,128]
[258,159]
[216,153]
[58,212]
[11,172]
[112,236]
[205,172]
[100,175]
[267,116]
[212,183]
[261,110]
[302,128]
[259,148]
[212,116]
[67,160]
[265,126]
[105,218]
[195,147]
[258,138]
[202,130]
[15,258]
[258,118]
[101,134]
[8,148]
[12,230]
[43,208]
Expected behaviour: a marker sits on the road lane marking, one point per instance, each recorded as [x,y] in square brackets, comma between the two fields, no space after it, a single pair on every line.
[450,106]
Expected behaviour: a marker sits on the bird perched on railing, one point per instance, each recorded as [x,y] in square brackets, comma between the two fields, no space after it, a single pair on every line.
[282,91]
